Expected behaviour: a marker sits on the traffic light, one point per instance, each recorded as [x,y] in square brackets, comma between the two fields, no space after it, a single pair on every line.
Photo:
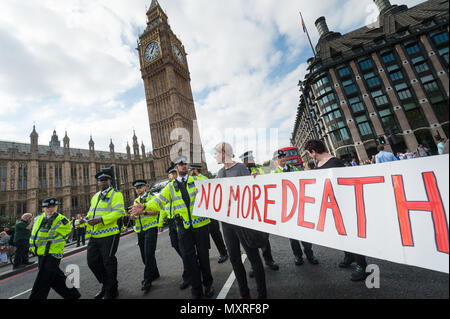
[382,140]
[437,137]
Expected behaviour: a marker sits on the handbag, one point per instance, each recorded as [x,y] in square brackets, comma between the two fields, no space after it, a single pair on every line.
[250,237]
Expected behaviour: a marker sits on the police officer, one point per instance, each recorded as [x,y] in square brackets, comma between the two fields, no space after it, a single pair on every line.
[47,241]
[80,230]
[282,167]
[214,226]
[249,161]
[167,215]
[146,227]
[103,229]
[193,234]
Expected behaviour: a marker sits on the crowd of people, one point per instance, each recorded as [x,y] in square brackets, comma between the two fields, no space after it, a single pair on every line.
[14,243]
[46,235]
[385,156]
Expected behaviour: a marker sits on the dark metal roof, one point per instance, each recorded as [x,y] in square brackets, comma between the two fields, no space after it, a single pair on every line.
[390,22]
[59,151]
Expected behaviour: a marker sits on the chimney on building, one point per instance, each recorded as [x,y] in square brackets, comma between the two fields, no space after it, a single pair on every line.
[322,27]
[382,5]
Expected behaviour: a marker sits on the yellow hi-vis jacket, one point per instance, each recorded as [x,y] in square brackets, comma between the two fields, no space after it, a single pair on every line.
[172,193]
[279,170]
[110,207]
[143,223]
[259,170]
[50,239]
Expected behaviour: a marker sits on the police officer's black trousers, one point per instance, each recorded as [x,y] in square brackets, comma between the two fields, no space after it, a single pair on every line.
[51,276]
[102,261]
[173,234]
[233,244]
[80,235]
[147,241]
[297,249]
[216,235]
[194,245]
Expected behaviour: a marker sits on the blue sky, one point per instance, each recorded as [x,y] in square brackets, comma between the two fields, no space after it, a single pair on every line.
[72,65]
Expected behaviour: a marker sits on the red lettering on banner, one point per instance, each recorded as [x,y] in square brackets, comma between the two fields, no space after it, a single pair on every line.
[305,199]
[332,204]
[249,202]
[214,198]
[285,184]
[204,196]
[236,198]
[433,205]
[254,204]
[359,194]
[267,202]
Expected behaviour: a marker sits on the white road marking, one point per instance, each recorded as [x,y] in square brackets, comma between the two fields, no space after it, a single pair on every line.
[22,293]
[226,288]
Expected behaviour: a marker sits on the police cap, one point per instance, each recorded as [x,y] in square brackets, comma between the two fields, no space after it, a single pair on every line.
[49,202]
[139,183]
[278,154]
[104,173]
[247,156]
[180,160]
[195,166]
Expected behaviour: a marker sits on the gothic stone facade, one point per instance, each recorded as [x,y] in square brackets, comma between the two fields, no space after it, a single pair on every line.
[30,173]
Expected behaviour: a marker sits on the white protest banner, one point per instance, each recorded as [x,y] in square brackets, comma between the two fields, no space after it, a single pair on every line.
[395,211]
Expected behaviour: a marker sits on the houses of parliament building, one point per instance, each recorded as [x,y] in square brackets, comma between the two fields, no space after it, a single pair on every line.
[31,172]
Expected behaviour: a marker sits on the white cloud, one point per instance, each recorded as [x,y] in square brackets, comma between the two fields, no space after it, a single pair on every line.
[72,65]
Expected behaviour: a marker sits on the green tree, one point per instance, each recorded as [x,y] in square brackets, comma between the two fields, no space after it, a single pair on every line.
[7,221]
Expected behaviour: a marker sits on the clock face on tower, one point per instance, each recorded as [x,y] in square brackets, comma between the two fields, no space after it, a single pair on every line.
[177,52]
[152,51]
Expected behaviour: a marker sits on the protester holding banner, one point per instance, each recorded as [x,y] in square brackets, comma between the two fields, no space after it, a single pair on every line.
[223,154]
[282,167]
[249,161]
[316,150]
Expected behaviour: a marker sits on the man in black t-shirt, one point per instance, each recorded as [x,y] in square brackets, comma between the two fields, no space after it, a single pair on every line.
[316,149]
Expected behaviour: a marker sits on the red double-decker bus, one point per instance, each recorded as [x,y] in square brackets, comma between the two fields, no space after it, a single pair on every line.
[293,156]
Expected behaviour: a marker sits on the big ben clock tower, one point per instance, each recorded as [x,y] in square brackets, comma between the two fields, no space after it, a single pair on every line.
[170,104]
